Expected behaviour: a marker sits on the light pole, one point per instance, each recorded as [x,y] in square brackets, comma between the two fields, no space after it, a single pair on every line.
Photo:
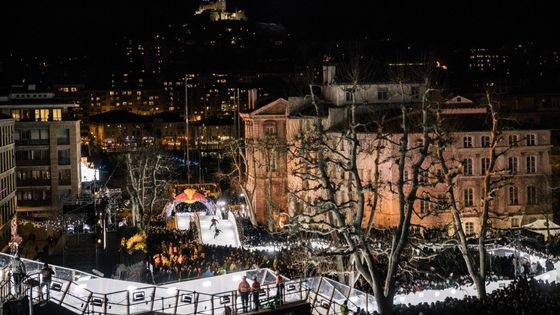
[187,155]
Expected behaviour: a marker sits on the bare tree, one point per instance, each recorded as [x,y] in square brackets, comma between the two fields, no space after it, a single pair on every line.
[327,163]
[254,159]
[493,180]
[150,175]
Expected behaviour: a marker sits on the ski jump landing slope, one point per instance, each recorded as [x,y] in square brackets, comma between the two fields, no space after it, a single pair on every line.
[228,237]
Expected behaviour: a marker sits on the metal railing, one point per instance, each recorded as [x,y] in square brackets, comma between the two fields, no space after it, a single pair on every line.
[76,298]
[34,267]
[69,290]
[74,291]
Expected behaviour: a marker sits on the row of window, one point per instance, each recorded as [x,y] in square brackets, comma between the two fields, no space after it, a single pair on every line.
[6,160]
[6,135]
[41,157]
[383,94]
[40,177]
[513,165]
[7,185]
[531,197]
[513,140]
[45,114]
[33,195]
[7,210]
[41,136]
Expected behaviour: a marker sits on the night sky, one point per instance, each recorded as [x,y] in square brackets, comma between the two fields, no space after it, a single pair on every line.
[53,27]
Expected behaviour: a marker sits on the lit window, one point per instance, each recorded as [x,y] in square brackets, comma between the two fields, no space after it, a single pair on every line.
[57,114]
[41,115]
[16,114]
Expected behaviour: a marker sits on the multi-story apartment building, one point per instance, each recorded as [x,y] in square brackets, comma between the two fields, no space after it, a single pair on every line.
[141,102]
[47,150]
[7,177]
[123,130]
[523,198]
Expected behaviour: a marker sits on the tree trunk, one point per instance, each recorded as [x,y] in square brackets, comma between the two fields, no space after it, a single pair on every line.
[480,287]
[384,304]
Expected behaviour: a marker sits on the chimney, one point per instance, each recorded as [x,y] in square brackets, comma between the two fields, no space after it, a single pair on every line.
[252,98]
[329,72]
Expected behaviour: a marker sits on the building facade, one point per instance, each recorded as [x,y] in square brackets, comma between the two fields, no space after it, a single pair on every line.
[266,163]
[525,165]
[7,177]
[47,151]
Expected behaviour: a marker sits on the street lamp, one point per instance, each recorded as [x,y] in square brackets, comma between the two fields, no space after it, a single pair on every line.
[187,155]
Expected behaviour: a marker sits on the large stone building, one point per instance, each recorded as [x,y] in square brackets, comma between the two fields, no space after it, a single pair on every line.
[270,130]
[275,173]
[47,145]
[7,177]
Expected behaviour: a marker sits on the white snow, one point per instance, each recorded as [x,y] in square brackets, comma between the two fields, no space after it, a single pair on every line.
[228,236]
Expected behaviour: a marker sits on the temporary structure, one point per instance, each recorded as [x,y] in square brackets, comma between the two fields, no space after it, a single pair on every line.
[543,227]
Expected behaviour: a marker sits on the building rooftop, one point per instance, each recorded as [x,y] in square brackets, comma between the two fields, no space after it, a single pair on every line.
[119,116]
[7,102]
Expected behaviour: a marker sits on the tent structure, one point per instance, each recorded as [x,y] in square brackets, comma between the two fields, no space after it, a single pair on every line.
[188,196]
[543,227]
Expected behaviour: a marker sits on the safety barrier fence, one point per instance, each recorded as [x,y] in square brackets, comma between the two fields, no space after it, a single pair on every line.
[75,290]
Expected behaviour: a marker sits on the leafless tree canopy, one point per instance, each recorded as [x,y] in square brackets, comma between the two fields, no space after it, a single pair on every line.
[328,165]
[150,176]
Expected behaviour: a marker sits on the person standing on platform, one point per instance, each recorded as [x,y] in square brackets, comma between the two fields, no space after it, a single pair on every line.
[18,273]
[244,289]
[256,288]
[46,278]
[279,288]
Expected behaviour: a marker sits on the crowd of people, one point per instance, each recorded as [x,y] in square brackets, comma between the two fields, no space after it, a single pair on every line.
[522,296]
[176,256]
